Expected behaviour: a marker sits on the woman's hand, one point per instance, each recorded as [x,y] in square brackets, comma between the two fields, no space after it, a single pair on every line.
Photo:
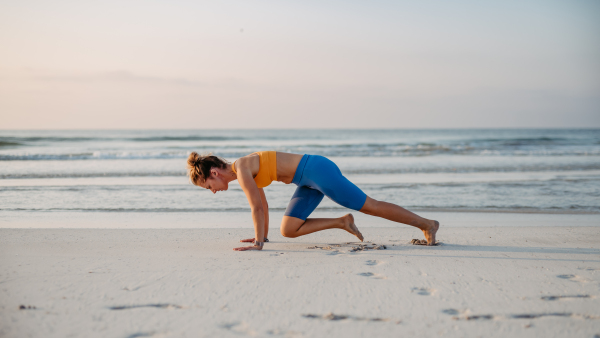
[251,240]
[244,248]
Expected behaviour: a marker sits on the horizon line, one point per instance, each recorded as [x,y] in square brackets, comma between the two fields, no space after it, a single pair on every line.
[300,128]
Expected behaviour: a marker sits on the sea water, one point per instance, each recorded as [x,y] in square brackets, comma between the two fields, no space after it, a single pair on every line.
[128,174]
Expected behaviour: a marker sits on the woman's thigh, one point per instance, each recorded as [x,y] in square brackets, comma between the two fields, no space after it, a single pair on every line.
[304,201]
[325,176]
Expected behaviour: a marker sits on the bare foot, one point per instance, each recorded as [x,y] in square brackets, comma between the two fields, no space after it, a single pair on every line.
[351,227]
[431,231]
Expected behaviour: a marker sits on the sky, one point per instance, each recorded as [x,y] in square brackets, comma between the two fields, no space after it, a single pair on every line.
[299,64]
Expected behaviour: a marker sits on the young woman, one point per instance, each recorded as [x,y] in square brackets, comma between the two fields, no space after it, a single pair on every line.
[315,176]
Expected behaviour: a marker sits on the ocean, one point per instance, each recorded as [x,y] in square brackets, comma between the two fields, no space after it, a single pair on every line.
[143,171]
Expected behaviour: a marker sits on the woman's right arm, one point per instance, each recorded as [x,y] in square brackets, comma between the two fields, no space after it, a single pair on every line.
[244,176]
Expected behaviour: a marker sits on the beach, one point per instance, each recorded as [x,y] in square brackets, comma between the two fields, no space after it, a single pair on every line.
[125,126]
[485,279]
[103,235]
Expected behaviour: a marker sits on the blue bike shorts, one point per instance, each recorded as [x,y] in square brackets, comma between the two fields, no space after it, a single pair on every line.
[317,176]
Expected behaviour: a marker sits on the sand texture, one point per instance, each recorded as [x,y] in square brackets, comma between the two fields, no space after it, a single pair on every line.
[480,282]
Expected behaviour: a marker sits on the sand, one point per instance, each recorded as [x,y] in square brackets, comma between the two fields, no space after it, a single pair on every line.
[480,282]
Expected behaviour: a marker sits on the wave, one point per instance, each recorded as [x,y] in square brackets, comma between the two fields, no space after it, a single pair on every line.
[32,139]
[370,171]
[9,144]
[94,145]
[481,169]
[92,175]
[540,139]
[513,209]
[94,156]
[569,209]
[139,209]
[185,138]
[29,139]
[329,151]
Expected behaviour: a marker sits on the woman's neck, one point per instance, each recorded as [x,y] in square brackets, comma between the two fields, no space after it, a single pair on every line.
[231,176]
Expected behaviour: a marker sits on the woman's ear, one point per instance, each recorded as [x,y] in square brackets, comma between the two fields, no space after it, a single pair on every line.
[214,172]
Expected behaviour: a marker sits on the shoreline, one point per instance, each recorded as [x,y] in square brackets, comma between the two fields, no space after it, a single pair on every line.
[222,220]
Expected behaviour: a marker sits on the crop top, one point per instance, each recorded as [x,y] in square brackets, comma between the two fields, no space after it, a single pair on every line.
[267,171]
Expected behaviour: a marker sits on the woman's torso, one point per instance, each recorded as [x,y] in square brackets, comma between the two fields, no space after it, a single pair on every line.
[285,166]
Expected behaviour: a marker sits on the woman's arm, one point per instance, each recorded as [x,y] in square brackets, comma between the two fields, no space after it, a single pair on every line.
[244,176]
[266,209]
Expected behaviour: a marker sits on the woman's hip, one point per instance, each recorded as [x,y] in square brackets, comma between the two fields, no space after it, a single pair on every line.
[320,173]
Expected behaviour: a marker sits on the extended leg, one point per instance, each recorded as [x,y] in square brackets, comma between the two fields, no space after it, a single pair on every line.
[398,214]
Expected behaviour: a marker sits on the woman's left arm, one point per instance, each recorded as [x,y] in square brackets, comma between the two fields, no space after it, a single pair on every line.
[248,185]
[265,205]
[266,209]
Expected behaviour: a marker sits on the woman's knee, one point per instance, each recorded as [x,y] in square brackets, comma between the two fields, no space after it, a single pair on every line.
[290,225]
[370,206]
[287,231]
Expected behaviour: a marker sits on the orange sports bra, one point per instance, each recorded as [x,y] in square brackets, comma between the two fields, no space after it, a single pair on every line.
[267,171]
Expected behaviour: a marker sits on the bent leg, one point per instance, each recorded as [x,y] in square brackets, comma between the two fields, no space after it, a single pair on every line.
[398,214]
[294,227]
[304,201]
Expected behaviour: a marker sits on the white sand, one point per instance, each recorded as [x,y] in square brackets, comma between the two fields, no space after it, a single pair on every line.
[74,277]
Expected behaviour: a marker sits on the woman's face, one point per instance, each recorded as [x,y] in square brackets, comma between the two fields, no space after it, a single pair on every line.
[216,181]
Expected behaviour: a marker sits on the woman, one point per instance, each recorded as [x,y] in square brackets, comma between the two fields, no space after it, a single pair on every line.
[315,176]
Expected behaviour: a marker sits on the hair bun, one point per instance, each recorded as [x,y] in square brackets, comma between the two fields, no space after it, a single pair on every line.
[193,160]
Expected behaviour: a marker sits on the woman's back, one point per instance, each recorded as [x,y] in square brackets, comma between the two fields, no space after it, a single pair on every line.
[268,166]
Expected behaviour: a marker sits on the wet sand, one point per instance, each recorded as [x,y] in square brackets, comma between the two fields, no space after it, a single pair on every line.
[480,282]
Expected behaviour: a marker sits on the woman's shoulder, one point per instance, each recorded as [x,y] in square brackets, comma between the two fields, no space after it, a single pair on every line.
[246,161]
[256,156]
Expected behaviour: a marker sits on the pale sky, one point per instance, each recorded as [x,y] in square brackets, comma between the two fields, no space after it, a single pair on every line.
[299,64]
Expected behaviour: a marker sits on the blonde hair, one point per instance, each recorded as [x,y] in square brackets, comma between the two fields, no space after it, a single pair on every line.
[199,166]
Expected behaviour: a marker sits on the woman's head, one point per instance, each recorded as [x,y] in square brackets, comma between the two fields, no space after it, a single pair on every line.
[207,171]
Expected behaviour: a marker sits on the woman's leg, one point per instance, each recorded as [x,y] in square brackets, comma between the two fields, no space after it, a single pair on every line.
[325,175]
[304,201]
[294,227]
[398,214]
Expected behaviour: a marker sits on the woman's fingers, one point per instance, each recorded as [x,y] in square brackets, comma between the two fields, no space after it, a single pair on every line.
[244,248]
[251,240]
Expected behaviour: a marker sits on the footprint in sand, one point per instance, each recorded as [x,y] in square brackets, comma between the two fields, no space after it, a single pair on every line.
[372,262]
[290,334]
[588,269]
[239,327]
[141,334]
[551,298]
[574,278]
[451,312]
[566,276]
[423,291]
[158,305]
[373,275]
